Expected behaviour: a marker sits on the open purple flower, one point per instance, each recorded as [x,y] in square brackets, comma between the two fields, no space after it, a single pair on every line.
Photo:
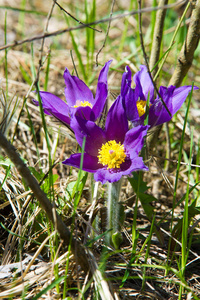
[135,100]
[112,152]
[77,95]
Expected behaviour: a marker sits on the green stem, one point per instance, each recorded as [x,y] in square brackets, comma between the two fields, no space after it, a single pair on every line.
[114,214]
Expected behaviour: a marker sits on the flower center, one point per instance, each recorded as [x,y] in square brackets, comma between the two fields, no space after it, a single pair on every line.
[112,154]
[82,103]
[141,106]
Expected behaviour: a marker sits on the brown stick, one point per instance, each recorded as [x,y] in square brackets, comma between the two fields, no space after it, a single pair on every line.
[157,36]
[184,61]
[186,55]
[154,57]
[76,247]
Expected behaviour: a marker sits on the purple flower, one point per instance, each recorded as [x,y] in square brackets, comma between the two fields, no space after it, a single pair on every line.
[112,152]
[79,98]
[134,100]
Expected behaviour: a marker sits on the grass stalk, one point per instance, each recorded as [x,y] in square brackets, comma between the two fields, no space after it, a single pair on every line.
[185,224]
[134,225]
[178,165]
[124,34]
[21,21]
[6,54]
[114,211]
[90,13]
[47,71]
[147,253]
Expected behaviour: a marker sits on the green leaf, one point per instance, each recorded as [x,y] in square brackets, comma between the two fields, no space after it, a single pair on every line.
[46,185]
[26,77]
[134,183]
[146,199]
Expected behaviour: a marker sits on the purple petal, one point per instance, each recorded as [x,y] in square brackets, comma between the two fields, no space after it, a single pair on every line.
[104,73]
[116,123]
[90,163]
[101,97]
[113,175]
[131,106]
[134,140]
[45,111]
[54,106]
[84,112]
[143,84]
[103,175]
[94,135]
[136,165]
[157,112]
[179,96]
[126,81]
[102,91]
[76,90]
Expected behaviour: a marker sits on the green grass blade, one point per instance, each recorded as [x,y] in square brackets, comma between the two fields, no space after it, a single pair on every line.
[78,54]
[33,133]
[181,145]
[90,12]
[185,224]
[124,34]
[6,54]
[47,71]
[179,163]
[17,9]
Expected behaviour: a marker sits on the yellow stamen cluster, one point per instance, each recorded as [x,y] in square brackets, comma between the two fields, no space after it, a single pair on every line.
[141,106]
[112,154]
[83,104]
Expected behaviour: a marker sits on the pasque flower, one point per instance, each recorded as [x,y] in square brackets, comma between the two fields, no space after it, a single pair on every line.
[77,94]
[112,152]
[135,100]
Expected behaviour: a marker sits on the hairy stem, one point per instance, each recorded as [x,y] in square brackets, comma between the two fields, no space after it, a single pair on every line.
[114,213]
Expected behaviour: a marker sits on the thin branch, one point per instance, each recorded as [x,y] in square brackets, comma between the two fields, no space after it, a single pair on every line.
[58,32]
[107,31]
[176,161]
[74,17]
[157,36]
[186,55]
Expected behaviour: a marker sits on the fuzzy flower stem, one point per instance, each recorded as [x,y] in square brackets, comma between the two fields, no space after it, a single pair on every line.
[114,214]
